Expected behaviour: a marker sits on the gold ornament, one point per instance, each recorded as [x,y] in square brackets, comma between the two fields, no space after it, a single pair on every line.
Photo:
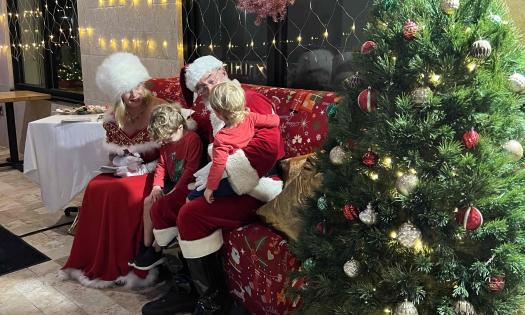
[515,150]
[449,6]
[351,268]
[421,95]
[405,308]
[337,155]
[408,234]
[406,184]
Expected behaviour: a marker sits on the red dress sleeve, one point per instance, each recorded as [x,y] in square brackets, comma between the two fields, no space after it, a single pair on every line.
[221,151]
[160,170]
[192,161]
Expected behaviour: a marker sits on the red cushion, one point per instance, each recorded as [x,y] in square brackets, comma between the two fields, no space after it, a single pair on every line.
[257,262]
[167,88]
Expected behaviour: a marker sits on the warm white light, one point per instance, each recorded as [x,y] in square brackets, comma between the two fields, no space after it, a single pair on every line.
[299,38]
[374,176]
[325,34]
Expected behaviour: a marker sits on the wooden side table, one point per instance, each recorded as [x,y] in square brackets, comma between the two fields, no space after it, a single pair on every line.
[9,98]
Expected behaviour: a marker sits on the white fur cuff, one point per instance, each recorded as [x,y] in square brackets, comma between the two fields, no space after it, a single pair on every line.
[165,236]
[267,189]
[242,176]
[201,247]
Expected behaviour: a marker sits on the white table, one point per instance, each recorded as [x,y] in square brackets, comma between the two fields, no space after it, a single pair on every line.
[62,157]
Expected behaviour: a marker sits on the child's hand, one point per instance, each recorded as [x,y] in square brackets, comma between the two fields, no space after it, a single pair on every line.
[156,193]
[208,195]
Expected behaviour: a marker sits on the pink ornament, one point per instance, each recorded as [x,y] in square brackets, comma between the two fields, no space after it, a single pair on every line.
[470,217]
[496,283]
[367,100]
[367,47]
[410,30]
[276,9]
[470,139]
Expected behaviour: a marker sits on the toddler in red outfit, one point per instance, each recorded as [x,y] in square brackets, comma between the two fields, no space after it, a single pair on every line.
[228,101]
[180,157]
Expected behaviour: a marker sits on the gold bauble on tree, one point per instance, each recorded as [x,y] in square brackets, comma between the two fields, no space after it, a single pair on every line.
[450,6]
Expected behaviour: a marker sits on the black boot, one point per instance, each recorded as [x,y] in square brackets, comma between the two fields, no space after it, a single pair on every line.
[207,274]
[180,298]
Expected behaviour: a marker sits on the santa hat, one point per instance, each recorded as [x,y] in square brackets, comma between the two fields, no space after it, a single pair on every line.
[198,68]
[119,73]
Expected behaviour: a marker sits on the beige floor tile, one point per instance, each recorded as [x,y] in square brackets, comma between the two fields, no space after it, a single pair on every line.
[14,303]
[45,268]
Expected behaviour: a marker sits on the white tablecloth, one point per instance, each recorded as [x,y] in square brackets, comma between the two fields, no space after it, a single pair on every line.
[63,157]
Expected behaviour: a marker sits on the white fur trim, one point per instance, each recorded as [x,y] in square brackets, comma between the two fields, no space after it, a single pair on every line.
[198,68]
[242,176]
[138,148]
[267,189]
[216,123]
[165,236]
[119,73]
[129,281]
[201,247]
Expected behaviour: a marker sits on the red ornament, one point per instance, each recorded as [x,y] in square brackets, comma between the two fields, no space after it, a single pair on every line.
[410,30]
[367,47]
[350,211]
[470,138]
[320,228]
[470,217]
[367,100]
[496,283]
[369,159]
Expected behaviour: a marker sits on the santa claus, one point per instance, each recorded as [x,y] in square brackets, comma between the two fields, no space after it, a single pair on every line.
[198,224]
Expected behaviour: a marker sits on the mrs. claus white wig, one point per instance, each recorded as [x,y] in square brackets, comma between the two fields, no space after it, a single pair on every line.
[120,73]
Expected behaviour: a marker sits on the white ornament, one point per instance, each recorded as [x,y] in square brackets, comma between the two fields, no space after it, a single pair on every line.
[406,183]
[408,234]
[449,6]
[515,149]
[517,83]
[406,308]
[337,155]
[481,49]
[464,308]
[368,216]
[351,268]
[496,18]
[421,95]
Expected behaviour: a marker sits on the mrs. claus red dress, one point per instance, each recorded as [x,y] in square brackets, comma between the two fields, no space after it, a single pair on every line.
[109,231]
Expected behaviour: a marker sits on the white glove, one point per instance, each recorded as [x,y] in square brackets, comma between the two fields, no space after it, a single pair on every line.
[137,170]
[127,160]
[201,177]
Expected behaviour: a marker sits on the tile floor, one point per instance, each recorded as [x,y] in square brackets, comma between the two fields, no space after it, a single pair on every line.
[37,289]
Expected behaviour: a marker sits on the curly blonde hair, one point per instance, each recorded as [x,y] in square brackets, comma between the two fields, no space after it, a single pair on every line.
[165,120]
[229,100]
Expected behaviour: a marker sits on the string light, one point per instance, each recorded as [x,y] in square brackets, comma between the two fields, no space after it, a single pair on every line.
[387,162]
[325,34]
[471,66]
[374,176]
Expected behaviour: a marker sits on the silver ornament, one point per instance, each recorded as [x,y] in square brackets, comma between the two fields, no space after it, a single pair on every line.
[481,49]
[464,308]
[337,155]
[517,83]
[406,308]
[322,204]
[351,268]
[352,82]
[515,149]
[449,6]
[368,216]
[496,18]
[421,95]
[408,234]
[406,184]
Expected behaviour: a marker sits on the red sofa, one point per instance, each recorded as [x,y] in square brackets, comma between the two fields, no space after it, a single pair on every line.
[257,258]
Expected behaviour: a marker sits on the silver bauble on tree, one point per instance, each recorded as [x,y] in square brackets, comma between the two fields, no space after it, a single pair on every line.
[337,155]
[405,308]
[352,82]
[515,150]
[449,6]
[408,234]
[368,216]
[406,184]
[517,83]
[464,308]
[351,268]
[481,49]
[421,95]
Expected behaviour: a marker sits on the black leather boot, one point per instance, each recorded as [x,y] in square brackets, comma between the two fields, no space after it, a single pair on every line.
[209,281]
[180,298]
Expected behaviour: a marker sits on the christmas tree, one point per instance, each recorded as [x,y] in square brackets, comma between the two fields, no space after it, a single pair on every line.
[422,210]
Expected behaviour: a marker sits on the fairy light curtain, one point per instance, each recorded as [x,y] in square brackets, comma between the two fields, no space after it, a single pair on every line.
[311,48]
[45,43]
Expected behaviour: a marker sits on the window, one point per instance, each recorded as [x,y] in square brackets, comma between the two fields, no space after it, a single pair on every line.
[311,48]
[45,47]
